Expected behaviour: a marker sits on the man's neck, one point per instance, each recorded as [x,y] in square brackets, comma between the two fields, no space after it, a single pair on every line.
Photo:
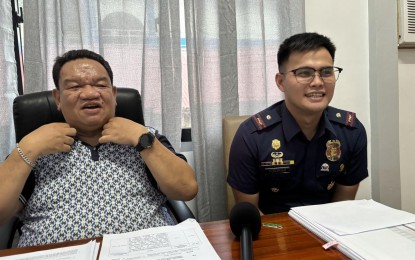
[308,122]
[90,138]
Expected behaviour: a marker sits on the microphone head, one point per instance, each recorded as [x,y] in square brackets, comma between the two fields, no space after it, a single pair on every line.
[245,215]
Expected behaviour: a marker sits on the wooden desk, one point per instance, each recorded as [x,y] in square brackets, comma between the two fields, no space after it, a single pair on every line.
[292,241]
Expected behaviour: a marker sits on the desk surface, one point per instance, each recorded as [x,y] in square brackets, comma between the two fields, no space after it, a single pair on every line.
[290,242]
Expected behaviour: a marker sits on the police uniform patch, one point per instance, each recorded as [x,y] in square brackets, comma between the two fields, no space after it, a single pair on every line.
[350,118]
[259,121]
[341,116]
[333,151]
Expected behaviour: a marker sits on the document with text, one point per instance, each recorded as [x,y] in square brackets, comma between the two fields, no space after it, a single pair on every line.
[87,251]
[361,229]
[185,240]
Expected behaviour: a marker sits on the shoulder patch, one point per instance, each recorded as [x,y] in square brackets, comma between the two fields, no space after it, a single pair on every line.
[267,117]
[341,116]
[258,121]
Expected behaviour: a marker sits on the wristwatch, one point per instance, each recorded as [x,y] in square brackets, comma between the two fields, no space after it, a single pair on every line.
[145,141]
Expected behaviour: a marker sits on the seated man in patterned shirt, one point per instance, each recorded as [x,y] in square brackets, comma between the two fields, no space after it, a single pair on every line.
[94,174]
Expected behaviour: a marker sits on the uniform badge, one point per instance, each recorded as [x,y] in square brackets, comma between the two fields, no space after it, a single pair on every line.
[342,167]
[330,186]
[276,144]
[325,167]
[277,155]
[333,151]
[274,189]
[277,158]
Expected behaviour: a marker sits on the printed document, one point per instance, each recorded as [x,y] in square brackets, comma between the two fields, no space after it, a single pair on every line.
[87,251]
[363,229]
[185,240]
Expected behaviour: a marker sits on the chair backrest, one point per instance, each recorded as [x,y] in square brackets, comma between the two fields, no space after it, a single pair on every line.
[229,126]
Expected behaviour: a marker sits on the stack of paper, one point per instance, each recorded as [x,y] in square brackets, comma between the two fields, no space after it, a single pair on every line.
[185,240]
[364,229]
[87,251]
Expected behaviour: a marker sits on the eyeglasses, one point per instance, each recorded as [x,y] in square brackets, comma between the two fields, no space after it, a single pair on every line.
[306,75]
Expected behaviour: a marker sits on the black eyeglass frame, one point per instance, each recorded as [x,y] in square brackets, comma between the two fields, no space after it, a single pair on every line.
[335,69]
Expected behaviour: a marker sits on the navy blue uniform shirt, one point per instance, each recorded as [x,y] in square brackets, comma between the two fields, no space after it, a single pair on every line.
[270,155]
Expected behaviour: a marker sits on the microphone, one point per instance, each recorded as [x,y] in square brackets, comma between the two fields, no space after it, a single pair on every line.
[245,223]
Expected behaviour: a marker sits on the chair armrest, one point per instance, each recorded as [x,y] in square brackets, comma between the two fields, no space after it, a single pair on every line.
[7,232]
[179,209]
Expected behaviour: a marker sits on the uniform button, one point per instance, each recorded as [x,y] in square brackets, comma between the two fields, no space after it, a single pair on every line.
[338,115]
[268,117]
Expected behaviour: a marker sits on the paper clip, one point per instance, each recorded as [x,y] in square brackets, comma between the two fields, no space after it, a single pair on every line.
[330,244]
[272,225]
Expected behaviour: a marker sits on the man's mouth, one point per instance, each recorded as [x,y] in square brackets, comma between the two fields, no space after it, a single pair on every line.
[91,106]
[315,95]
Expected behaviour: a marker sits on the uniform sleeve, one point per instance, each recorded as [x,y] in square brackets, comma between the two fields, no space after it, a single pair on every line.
[357,166]
[243,163]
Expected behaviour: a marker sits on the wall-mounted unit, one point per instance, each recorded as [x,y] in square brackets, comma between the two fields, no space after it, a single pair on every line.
[406,23]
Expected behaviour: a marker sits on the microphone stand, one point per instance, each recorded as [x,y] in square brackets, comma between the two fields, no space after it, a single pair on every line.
[246,244]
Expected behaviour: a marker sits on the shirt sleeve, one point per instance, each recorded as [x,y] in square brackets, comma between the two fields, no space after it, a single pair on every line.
[243,175]
[162,139]
[357,170]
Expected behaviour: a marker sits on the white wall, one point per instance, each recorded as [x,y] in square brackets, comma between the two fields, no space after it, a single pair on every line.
[376,88]
[407,126]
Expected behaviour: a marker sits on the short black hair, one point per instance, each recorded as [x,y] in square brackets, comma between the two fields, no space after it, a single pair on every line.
[303,42]
[74,55]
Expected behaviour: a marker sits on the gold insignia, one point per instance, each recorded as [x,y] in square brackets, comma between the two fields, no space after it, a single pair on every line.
[338,115]
[333,151]
[277,154]
[341,167]
[330,186]
[274,189]
[276,144]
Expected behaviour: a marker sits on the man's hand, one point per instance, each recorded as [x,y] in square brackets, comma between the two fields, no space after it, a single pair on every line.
[48,139]
[122,131]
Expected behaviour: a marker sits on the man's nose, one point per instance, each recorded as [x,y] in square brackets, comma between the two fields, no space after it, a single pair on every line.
[89,91]
[317,78]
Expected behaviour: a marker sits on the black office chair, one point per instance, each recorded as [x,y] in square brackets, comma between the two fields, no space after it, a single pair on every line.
[33,110]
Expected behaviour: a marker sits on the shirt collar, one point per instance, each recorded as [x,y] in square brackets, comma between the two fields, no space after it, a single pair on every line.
[291,127]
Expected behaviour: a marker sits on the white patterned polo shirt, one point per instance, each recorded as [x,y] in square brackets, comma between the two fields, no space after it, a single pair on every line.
[89,192]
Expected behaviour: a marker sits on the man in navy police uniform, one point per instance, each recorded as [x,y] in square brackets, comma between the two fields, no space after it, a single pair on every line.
[300,151]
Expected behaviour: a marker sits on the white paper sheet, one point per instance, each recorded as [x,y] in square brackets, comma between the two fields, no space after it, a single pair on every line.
[355,216]
[87,251]
[383,239]
[182,241]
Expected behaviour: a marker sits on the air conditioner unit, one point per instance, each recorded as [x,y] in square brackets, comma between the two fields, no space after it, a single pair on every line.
[406,21]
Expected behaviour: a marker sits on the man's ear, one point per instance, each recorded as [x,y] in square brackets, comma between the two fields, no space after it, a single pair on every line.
[279,80]
[114,92]
[57,97]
